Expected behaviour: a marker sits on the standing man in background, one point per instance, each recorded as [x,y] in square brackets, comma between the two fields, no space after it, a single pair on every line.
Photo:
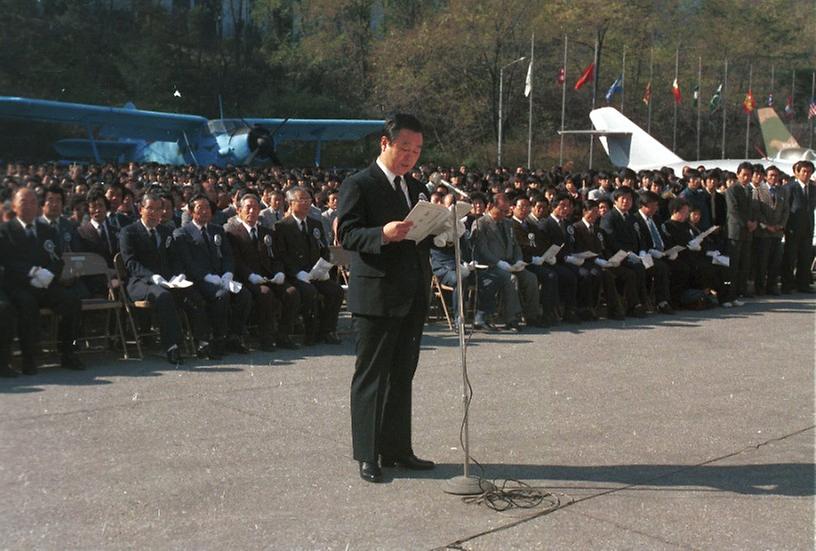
[388,297]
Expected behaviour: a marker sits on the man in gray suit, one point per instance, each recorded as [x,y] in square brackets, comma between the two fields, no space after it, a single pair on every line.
[738,199]
[774,209]
[495,246]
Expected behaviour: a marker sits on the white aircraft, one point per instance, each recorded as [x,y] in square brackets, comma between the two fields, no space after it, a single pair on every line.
[628,145]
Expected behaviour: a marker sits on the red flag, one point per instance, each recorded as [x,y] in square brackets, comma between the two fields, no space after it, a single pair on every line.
[749,104]
[586,76]
[561,77]
[647,93]
[790,112]
[676,92]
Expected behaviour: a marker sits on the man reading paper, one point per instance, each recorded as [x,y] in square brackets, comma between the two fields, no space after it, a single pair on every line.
[388,296]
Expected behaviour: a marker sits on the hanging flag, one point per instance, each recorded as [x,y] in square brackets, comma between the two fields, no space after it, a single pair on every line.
[647,93]
[749,103]
[676,92]
[714,103]
[695,96]
[790,112]
[561,78]
[770,101]
[616,87]
[812,109]
[586,76]
[528,84]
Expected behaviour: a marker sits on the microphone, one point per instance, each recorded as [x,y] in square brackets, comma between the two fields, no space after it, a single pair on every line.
[436,179]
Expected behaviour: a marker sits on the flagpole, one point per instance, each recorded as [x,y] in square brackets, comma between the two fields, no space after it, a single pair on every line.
[748,111]
[530,117]
[563,104]
[812,92]
[723,106]
[649,106]
[699,97]
[772,84]
[594,88]
[674,124]
[623,76]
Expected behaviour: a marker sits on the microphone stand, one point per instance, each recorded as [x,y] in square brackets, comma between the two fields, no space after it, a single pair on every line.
[464,484]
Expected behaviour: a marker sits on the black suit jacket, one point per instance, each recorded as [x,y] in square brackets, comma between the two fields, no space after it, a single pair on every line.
[91,242]
[299,252]
[143,258]
[801,204]
[620,232]
[260,258]
[587,239]
[556,235]
[531,240]
[199,258]
[66,232]
[384,279]
[20,253]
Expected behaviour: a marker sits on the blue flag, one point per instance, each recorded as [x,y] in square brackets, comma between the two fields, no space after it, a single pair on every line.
[616,87]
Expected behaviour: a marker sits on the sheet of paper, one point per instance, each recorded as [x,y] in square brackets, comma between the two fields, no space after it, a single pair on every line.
[705,234]
[321,268]
[647,260]
[430,219]
[721,260]
[177,282]
[518,266]
[618,257]
[551,252]
[673,250]
[585,255]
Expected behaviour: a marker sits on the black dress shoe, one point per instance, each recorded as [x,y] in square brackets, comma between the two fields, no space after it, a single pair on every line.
[512,326]
[485,326]
[207,351]
[267,345]
[331,338]
[370,471]
[287,343]
[174,356]
[235,346]
[72,362]
[665,308]
[408,461]
[7,372]
[571,316]
[806,290]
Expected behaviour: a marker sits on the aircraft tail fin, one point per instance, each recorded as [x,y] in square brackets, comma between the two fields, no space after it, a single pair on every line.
[627,144]
[774,133]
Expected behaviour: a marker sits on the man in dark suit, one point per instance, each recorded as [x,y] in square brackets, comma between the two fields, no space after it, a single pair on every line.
[301,241]
[774,212]
[98,236]
[259,267]
[151,260]
[669,274]
[207,260]
[798,254]
[53,204]
[620,235]
[8,317]
[389,286]
[30,250]
[740,226]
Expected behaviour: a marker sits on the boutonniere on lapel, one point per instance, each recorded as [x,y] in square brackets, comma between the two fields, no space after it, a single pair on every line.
[217,243]
[268,242]
[50,249]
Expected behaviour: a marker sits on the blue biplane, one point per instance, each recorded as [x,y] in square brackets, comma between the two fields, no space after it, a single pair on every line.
[126,133]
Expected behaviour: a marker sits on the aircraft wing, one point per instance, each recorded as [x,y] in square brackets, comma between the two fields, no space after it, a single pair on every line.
[111,121]
[318,129]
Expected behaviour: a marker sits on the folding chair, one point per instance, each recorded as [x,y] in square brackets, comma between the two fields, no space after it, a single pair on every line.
[91,264]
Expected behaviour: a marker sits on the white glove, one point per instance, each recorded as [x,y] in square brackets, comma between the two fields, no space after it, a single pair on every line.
[633,258]
[603,263]
[656,254]
[712,254]
[45,276]
[694,246]
[465,270]
[35,279]
[226,278]
[278,279]
[157,279]
[213,279]
[538,260]
[502,265]
[673,256]
[255,279]
[552,260]
[304,276]
[574,260]
[441,240]
[518,266]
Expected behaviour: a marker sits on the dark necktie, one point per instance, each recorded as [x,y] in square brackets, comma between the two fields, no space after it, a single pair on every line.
[103,233]
[398,190]
[206,235]
[303,227]
[153,238]
[29,229]
[253,234]
[657,241]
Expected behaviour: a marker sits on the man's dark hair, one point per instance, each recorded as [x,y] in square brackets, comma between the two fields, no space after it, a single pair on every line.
[53,189]
[745,165]
[645,197]
[150,195]
[96,193]
[800,164]
[560,196]
[400,121]
[620,192]
[589,204]
[198,197]
[677,204]
[759,168]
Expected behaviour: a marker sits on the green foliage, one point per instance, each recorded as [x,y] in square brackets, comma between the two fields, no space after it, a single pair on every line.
[440,59]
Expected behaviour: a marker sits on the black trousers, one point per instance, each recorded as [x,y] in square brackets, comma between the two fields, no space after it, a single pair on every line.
[7,317]
[387,357]
[767,263]
[319,318]
[165,302]
[28,301]
[797,258]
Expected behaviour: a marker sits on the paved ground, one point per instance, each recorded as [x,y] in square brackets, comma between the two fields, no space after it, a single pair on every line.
[693,431]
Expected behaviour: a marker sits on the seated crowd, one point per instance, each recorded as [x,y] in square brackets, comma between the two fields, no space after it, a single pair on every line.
[232,249]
